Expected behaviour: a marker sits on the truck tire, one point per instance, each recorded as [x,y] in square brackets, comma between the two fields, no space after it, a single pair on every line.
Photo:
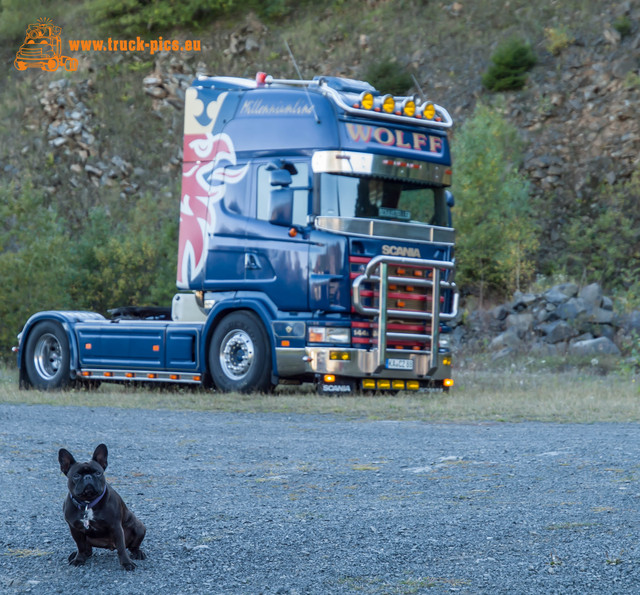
[240,355]
[47,356]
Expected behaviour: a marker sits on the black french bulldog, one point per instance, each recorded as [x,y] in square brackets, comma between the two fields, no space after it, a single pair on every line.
[95,512]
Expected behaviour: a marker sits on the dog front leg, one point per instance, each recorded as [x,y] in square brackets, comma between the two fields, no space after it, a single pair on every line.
[121,548]
[84,549]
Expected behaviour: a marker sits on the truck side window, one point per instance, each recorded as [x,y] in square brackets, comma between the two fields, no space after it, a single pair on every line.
[235,193]
[300,187]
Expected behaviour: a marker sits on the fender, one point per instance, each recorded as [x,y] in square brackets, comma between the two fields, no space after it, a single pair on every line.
[68,320]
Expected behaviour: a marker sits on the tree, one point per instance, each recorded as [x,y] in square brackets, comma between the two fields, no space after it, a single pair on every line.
[496,233]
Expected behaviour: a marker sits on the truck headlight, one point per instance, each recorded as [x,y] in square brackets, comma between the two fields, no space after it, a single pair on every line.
[329,334]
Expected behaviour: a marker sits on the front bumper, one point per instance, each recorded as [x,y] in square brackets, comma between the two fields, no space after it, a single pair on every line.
[361,363]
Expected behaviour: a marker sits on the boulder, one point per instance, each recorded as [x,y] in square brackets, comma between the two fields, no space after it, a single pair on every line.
[571,309]
[591,295]
[521,324]
[632,322]
[509,340]
[559,294]
[556,331]
[592,347]
[522,301]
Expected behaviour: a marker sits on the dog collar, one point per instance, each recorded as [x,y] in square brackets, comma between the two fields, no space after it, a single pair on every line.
[84,505]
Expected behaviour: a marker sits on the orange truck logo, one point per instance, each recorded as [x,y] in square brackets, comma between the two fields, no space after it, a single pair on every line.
[42,48]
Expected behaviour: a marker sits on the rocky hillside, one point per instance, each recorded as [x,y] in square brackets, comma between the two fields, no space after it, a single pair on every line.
[111,132]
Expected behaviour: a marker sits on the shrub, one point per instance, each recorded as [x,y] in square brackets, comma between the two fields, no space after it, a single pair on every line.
[132,17]
[557,38]
[605,246]
[497,235]
[622,25]
[45,264]
[511,61]
[388,77]
[34,259]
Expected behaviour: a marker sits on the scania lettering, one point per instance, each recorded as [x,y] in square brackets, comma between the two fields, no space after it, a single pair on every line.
[315,246]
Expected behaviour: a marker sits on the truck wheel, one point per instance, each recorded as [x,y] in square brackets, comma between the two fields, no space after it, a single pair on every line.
[47,356]
[239,354]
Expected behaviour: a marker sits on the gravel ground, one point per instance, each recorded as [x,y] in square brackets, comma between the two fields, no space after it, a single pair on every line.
[243,503]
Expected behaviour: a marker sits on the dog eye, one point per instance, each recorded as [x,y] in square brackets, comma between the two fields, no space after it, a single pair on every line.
[98,473]
[76,476]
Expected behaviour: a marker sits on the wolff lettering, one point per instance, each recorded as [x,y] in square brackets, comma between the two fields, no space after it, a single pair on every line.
[391,137]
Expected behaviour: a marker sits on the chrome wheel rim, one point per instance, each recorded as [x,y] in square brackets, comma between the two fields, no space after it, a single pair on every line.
[236,354]
[47,356]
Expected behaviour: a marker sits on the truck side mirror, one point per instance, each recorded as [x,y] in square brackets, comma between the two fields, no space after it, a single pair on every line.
[450,200]
[281,198]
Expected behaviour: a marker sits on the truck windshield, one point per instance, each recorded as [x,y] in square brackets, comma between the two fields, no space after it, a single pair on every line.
[376,198]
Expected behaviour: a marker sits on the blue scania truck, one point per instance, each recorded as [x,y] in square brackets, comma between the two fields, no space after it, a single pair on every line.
[315,245]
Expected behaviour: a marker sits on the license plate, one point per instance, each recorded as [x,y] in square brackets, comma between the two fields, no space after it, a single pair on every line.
[399,364]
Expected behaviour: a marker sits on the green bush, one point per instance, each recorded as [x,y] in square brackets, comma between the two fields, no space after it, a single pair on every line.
[125,265]
[604,246]
[622,25]
[557,39]
[15,15]
[34,260]
[511,61]
[47,264]
[388,77]
[496,234]
[131,17]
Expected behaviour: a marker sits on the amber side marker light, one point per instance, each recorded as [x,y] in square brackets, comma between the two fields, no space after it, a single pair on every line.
[448,382]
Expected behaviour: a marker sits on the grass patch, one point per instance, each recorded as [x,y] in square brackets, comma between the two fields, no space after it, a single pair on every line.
[500,395]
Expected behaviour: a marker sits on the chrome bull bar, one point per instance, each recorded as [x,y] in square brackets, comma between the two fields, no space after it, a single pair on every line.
[377,271]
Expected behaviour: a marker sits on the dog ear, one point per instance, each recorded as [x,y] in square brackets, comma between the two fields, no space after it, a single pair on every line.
[100,455]
[65,458]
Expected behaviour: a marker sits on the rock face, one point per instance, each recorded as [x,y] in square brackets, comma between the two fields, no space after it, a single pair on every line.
[563,320]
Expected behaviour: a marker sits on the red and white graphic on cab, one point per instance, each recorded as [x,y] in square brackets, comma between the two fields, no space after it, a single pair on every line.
[209,165]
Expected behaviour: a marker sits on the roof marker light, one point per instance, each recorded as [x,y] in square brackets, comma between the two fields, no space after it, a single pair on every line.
[366,100]
[388,104]
[409,107]
[429,111]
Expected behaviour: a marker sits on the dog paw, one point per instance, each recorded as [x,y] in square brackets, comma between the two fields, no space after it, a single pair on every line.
[129,565]
[74,560]
[138,554]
